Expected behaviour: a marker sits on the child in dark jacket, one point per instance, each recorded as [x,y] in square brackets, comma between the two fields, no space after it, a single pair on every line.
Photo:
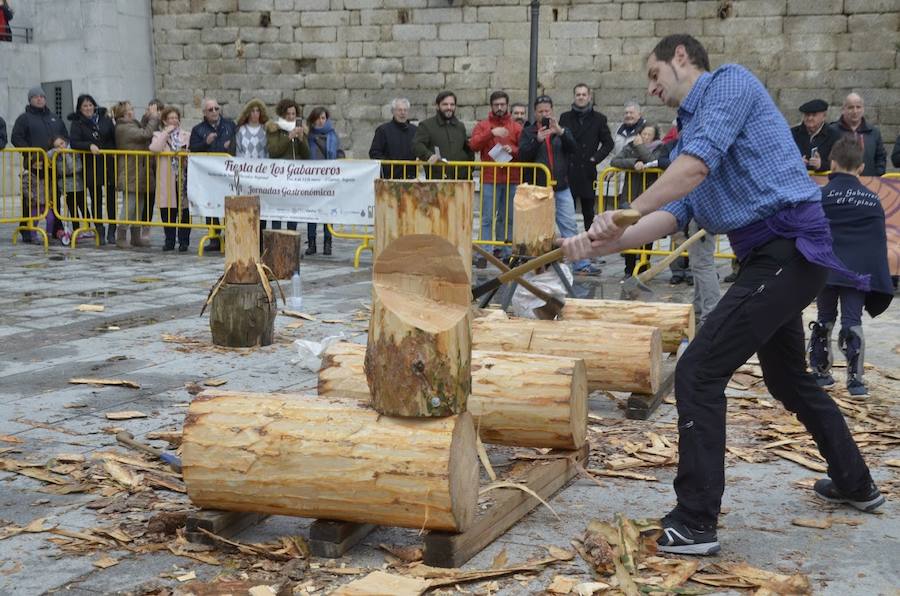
[860,241]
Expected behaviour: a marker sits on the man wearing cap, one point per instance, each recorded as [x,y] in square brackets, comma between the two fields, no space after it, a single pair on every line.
[813,138]
[35,128]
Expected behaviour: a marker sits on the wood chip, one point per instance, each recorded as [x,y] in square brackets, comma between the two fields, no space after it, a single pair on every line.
[113,382]
[799,459]
[125,415]
[298,315]
[409,554]
[894,463]
[105,562]
[379,582]
[215,382]
[819,524]
[562,584]
[90,308]
[622,474]
[589,588]
[10,439]
[187,576]
[500,559]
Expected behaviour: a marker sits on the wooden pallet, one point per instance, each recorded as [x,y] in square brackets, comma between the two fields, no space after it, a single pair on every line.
[448,549]
[641,405]
[332,539]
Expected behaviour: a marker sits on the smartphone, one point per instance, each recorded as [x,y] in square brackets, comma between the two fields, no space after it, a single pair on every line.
[545,122]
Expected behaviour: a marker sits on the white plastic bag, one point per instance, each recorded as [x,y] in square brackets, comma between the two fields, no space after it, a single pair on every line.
[309,353]
[524,302]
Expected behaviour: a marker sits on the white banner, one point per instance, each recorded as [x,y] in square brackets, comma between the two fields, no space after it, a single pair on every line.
[333,191]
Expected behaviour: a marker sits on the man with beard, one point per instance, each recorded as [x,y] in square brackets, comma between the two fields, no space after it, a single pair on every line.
[393,140]
[442,138]
[772,212]
[497,135]
[519,112]
[813,138]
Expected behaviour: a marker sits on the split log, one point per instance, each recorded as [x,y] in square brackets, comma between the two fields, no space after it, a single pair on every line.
[618,357]
[241,240]
[442,208]
[242,316]
[329,459]
[675,321]
[281,252]
[420,333]
[522,400]
[534,220]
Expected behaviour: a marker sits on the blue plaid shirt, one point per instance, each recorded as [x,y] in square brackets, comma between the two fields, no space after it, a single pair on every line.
[730,123]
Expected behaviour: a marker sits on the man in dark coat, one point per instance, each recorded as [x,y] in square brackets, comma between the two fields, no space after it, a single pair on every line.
[594,143]
[35,128]
[2,133]
[215,134]
[394,140]
[853,122]
[814,139]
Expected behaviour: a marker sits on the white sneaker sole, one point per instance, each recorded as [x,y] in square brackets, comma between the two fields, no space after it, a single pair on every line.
[701,549]
[865,506]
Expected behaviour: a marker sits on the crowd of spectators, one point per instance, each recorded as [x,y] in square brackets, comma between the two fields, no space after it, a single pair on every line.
[574,147]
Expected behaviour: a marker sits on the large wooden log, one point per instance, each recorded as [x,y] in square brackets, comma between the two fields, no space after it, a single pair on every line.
[523,400]
[675,321]
[534,220]
[242,316]
[417,363]
[281,252]
[241,240]
[442,208]
[618,357]
[330,459]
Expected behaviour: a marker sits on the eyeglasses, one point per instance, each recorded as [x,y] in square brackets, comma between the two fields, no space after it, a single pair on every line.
[214,109]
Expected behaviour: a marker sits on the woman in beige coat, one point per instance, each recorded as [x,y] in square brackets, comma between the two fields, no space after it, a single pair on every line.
[171,178]
[134,173]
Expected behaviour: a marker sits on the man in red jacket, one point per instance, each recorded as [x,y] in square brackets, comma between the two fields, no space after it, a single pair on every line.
[497,139]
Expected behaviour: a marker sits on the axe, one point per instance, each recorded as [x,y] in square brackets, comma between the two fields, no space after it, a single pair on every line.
[552,305]
[625,217]
[635,287]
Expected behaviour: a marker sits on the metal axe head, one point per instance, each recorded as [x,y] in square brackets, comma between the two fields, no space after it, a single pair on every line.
[634,289]
[550,309]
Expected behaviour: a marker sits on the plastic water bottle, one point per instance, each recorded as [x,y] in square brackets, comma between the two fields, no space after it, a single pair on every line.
[295,301]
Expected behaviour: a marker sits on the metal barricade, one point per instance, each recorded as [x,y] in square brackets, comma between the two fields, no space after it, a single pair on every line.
[25,197]
[617,187]
[496,231]
[133,186]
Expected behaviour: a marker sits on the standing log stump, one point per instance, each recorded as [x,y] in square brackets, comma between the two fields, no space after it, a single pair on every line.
[281,252]
[329,459]
[420,334]
[242,305]
[242,316]
[241,240]
[534,220]
[442,208]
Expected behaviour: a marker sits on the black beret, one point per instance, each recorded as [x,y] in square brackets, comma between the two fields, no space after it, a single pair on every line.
[814,105]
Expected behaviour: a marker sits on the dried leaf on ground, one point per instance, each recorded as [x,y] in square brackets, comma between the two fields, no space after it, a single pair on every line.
[500,559]
[379,582]
[105,561]
[562,584]
[777,582]
[111,382]
[203,558]
[125,415]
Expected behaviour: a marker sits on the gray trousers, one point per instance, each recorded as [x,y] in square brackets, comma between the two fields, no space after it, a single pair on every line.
[703,267]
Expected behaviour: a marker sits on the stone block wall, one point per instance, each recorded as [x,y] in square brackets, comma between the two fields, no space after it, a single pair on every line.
[354,56]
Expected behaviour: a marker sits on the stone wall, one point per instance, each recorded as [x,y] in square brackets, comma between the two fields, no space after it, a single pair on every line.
[353,56]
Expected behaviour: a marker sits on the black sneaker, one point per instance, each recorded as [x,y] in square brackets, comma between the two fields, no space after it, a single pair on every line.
[868,502]
[857,388]
[823,379]
[679,539]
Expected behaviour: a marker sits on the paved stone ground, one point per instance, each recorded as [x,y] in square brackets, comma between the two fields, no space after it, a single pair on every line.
[44,341]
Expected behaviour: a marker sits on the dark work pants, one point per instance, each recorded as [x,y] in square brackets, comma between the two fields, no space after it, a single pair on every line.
[311,233]
[759,313]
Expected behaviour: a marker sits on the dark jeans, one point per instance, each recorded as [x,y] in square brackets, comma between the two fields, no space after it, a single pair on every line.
[77,200]
[311,233]
[852,303]
[760,313]
[100,186]
[170,215]
[276,225]
[587,208]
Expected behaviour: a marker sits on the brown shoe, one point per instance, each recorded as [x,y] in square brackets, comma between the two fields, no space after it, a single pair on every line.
[136,239]
[121,237]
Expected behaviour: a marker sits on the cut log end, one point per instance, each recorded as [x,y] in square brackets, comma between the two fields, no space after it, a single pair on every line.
[463,472]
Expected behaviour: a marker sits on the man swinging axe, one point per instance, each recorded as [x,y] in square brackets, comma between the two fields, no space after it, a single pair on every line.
[772,213]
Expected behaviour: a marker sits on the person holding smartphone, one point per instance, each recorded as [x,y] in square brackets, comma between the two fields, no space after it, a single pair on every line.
[813,138]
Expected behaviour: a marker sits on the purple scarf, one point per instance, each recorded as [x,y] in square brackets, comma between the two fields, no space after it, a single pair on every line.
[804,222]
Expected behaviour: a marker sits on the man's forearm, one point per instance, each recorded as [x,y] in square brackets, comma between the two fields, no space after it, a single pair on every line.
[652,226]
[683,175]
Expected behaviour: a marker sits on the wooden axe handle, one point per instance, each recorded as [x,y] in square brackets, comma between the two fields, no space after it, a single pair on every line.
[658,267]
